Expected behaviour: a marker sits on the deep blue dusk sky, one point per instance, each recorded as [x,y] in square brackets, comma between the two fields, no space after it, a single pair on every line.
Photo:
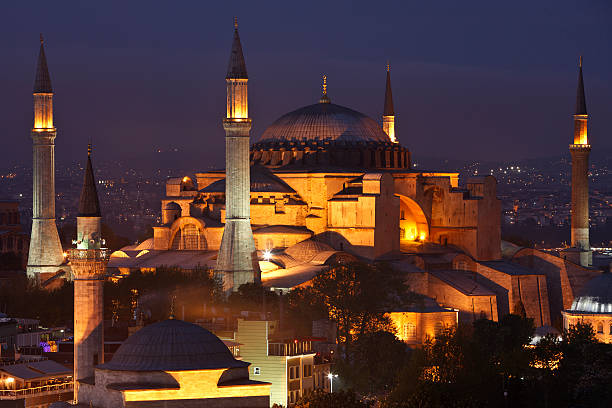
[471,79]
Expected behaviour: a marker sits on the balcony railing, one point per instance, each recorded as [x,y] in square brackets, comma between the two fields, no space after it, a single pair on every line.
[37,390]
[102,254]
[290,349]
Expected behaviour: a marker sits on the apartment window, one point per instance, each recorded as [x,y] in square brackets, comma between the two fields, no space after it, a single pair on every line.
[600,328]
[291,375]
[297,371]
[256,371]
[307,372]
[610,332]
[409,332]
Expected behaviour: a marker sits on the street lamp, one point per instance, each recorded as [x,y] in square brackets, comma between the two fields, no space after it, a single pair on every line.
[331,381]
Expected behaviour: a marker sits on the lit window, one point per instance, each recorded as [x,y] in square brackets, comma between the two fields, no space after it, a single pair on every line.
[600,328]
[409,332]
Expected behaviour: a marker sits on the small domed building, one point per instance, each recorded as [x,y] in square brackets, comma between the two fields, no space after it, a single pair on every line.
[173,364]
[593,305]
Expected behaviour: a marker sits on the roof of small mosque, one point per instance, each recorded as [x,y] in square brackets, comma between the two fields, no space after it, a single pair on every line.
[262,181]
[324,122]
[595,296]
[172,345]
[306,250]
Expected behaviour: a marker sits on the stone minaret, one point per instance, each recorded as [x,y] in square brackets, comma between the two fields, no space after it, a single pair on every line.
[46,254]
[237,261]
[580,150]
[88,261]
[388,112]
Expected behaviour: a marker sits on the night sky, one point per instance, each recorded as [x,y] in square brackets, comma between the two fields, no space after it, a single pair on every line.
[471,79]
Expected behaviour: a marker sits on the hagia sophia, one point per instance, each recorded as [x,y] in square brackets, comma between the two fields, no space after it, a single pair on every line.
[322,184]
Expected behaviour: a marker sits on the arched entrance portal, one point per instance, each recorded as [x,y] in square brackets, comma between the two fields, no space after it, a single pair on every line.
[413,224]
[188,234]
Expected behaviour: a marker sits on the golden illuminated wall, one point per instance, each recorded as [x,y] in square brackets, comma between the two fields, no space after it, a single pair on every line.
[389,127]
[237,99]
[580,130]
[600,322]
[43,111]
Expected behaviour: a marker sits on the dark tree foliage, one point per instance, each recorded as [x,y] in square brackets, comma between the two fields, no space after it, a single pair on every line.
[154,294]
[20,297]
[357,296]
[475,365]
[375,362]
[339,399]
[10,261]
[468,366]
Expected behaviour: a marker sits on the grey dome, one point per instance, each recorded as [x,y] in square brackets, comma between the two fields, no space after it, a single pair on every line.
[595,296]
[172,345]
[324,122]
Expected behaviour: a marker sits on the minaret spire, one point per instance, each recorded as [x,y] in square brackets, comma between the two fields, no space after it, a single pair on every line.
[88,263]
[46,255]
[388,111]
[580,150]
[42,82]
[89,204]
[237,261]
[236,68]
[581,108]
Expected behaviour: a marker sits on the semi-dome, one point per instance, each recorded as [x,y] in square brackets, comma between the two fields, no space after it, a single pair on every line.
[324,122]
[595,296]
[172,345]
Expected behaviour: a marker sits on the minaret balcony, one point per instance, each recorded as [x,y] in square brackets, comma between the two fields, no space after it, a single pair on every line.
[94,255]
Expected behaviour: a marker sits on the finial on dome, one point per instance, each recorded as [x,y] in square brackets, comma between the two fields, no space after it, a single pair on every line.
[388,66]
[89,149]
[42,40]
[580,62]
[235,23]
[324,97]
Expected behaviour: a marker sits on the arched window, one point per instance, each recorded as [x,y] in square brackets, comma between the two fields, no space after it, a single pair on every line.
[189,238]
[600,328]
[192,237]
[176,243]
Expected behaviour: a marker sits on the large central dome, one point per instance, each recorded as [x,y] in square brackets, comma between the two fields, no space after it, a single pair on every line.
[324,122]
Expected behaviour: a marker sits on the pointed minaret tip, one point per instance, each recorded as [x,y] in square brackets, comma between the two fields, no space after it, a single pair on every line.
[581,108]
[89,204]
[42,82]
[388,108]
[236,68]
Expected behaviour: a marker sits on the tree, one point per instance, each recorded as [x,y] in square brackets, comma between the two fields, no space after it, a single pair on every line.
[357,296]
[339,399]
[377,358]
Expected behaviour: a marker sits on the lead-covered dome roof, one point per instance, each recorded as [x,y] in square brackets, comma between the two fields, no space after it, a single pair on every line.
[172,345]
[595,296]
[324,122]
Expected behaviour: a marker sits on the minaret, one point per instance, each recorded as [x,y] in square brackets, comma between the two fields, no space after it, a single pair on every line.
[237,261]
[580,150]
[388,112]
[45,256]
[88,261]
